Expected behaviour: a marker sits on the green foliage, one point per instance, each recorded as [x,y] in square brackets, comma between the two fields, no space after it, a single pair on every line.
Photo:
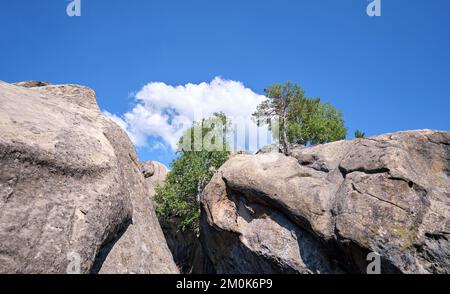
[303,120]
[360,134]
[283,100]
[320,124]
[178,200]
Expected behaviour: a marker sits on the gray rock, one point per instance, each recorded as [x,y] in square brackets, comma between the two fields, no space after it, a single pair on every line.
[71,188]
[138,249]
[278,148]
[154,173]
[324,208]
[272,148]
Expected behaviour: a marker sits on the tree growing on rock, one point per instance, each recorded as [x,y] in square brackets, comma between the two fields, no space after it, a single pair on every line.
[177,201]
[302,120]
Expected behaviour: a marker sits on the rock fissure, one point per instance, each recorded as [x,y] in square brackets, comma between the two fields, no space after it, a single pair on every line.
[380,199]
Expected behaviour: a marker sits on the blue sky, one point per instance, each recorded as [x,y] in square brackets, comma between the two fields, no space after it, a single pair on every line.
[385,73]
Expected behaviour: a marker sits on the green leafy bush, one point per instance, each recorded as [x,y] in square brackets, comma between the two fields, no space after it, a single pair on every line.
[320,124]
[177,201]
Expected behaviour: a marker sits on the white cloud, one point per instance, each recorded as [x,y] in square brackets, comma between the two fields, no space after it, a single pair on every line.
[163,112]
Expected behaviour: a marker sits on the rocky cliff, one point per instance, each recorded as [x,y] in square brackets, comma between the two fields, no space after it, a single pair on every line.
[323,209]
[72,195]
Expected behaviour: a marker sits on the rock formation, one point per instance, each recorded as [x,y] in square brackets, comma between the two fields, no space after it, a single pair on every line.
[323,209]
[72,196]
[154,173]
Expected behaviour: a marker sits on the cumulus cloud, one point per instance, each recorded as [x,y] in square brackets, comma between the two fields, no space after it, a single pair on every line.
[162,112]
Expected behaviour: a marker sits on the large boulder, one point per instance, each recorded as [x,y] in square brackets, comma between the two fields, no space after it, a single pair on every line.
[72,196]
[323,209]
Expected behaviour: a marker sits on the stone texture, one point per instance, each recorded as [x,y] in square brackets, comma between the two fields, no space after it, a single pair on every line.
[323,209]
[70,183]
[140,237]
[154,173]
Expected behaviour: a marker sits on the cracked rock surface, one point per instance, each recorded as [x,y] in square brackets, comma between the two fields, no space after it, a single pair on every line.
[323,209]
[71,188]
